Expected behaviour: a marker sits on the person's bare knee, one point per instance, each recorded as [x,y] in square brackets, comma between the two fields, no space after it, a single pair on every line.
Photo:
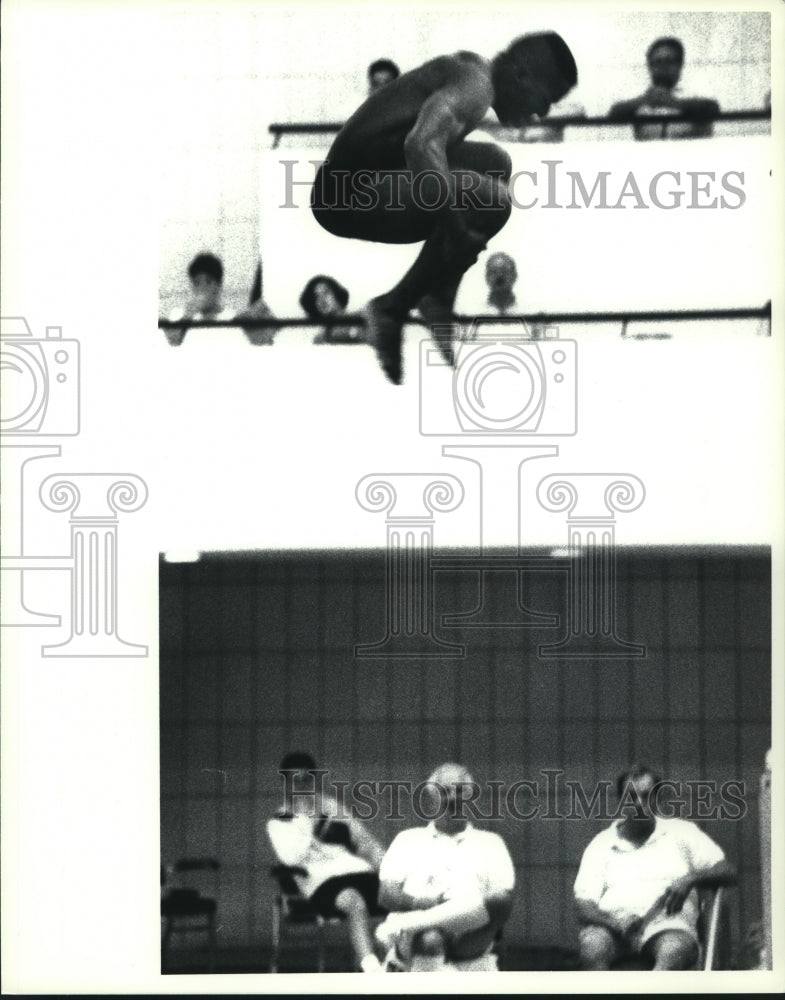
[351,902]
[430,942]
[674,950]
[499,163]
[493,207]
[597,948]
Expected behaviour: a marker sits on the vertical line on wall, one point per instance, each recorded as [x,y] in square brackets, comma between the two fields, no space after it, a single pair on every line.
[737,700]
[254,813]
[665,581]
[702,659]
[225,654]
[321,656]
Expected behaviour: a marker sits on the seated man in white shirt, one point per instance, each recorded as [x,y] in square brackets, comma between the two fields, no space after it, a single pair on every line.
[449,884]
[339,857]
[636,887]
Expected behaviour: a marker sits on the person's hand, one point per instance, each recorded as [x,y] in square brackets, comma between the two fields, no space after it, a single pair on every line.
[393,928]
[632,928]
[675,896]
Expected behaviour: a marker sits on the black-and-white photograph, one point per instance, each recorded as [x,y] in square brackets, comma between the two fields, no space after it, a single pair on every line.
[358,790]
[392,447]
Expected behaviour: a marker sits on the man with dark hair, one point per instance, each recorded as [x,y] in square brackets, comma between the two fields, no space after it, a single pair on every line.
[337,858]
[401,171]
[380,73]
[665,61]
[635,892]
[206,265]
[206,276]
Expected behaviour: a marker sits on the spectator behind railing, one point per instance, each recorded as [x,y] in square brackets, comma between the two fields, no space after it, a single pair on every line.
[258,309]
[206,275]
[380,73]
[665,60]
[324,298]
[501,275]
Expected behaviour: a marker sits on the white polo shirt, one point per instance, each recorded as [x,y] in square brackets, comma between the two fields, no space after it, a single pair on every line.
[627,879]
[430,863]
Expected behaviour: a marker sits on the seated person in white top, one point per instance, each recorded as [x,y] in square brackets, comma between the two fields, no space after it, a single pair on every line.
[339,857]
[449,884]
[635,890]
[206,275]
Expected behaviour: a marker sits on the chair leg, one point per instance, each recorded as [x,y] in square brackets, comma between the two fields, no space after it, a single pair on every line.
[211,944]
[320,943]
[165,943]
[276,935]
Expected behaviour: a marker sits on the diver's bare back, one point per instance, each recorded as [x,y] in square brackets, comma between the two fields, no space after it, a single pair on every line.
[373,138]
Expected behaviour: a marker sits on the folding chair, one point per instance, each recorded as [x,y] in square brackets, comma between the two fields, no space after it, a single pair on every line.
[186,911]
[291,909]
[712,936]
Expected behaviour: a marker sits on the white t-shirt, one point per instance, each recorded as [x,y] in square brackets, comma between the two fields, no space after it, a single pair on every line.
[295,842]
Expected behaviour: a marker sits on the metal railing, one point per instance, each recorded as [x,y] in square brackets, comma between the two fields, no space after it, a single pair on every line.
[280,129]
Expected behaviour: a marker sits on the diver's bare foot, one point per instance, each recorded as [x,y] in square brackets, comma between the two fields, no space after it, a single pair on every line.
[442,323]
[384,332]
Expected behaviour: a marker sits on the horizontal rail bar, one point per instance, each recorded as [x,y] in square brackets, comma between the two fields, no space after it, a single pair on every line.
[619,316]
[278,129]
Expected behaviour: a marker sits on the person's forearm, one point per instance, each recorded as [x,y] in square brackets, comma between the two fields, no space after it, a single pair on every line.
[392,897]
[426,158]
[723,873]
[367,846]
[462,914]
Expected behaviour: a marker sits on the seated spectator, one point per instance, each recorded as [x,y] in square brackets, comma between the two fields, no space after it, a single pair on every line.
[206,275]
[665,59]
[339,858]
[501,275]
[380,73]
[258,309]
[448,884]
[635,893]
[324,297]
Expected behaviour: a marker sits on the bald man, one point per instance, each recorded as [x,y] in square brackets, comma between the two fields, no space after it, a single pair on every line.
[448,886]
[500,277]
